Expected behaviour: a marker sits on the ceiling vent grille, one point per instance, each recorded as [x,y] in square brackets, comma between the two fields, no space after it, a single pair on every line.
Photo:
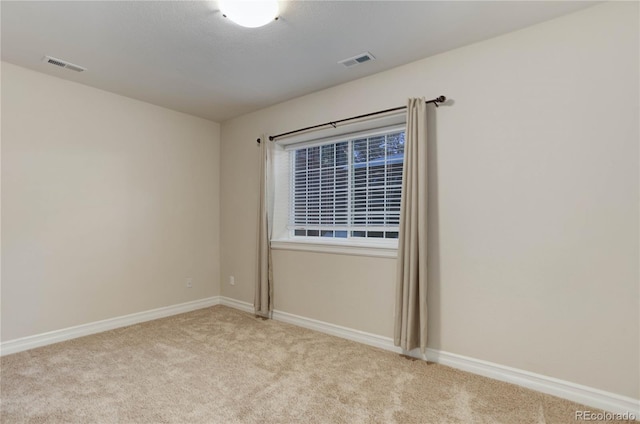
[63,64]
[357,60]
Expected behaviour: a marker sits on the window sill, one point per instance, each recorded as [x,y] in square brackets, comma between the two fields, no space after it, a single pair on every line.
[382,250]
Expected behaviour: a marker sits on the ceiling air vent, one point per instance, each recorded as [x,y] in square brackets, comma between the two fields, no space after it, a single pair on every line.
[357,60]
[63,64]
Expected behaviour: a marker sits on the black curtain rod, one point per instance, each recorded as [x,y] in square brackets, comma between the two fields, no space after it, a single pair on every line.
[435,101]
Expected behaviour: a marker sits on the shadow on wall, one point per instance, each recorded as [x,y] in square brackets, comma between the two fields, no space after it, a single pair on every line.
[433,231]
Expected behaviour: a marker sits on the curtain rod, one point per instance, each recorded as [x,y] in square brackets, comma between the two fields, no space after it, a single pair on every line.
[435,101]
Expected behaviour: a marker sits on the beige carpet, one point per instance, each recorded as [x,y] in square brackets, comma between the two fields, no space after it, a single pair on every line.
[219,365]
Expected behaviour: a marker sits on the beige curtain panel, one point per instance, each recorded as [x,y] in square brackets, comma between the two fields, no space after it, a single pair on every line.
[411,285]
[263,299]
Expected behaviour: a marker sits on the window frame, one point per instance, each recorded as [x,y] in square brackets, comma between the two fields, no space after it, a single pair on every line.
[375,247]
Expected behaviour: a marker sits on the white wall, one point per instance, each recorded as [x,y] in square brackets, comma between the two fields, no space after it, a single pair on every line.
[534,178]
[108,205]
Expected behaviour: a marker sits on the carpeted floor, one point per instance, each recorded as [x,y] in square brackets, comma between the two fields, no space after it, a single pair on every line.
[220,365]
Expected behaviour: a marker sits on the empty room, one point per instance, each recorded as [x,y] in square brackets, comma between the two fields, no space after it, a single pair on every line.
[320,212]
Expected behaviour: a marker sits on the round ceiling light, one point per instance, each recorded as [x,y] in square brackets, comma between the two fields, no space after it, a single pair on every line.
[250,14]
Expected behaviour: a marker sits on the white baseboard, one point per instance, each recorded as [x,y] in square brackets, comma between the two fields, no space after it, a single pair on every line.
[585,395]
[237,304]
[38,340]
[579,393]
[337,330]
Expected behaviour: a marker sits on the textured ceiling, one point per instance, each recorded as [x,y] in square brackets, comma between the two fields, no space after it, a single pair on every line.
[185,56]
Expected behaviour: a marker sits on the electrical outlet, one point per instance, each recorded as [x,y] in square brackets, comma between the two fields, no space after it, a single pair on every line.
[232,280]
[189,283]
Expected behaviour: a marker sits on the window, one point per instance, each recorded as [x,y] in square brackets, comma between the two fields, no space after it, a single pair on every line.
[349,188]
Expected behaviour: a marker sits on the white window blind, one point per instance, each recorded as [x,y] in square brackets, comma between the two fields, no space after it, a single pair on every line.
[348,188]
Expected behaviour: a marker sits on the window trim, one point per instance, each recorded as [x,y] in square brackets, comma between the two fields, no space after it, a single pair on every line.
[352,211]
[381,248]
[336,246]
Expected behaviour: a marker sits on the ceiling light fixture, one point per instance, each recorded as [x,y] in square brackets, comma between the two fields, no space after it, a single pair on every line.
[250,14]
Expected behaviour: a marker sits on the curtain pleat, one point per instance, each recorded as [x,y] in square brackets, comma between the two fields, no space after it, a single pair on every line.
[411,283]
[263,298]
